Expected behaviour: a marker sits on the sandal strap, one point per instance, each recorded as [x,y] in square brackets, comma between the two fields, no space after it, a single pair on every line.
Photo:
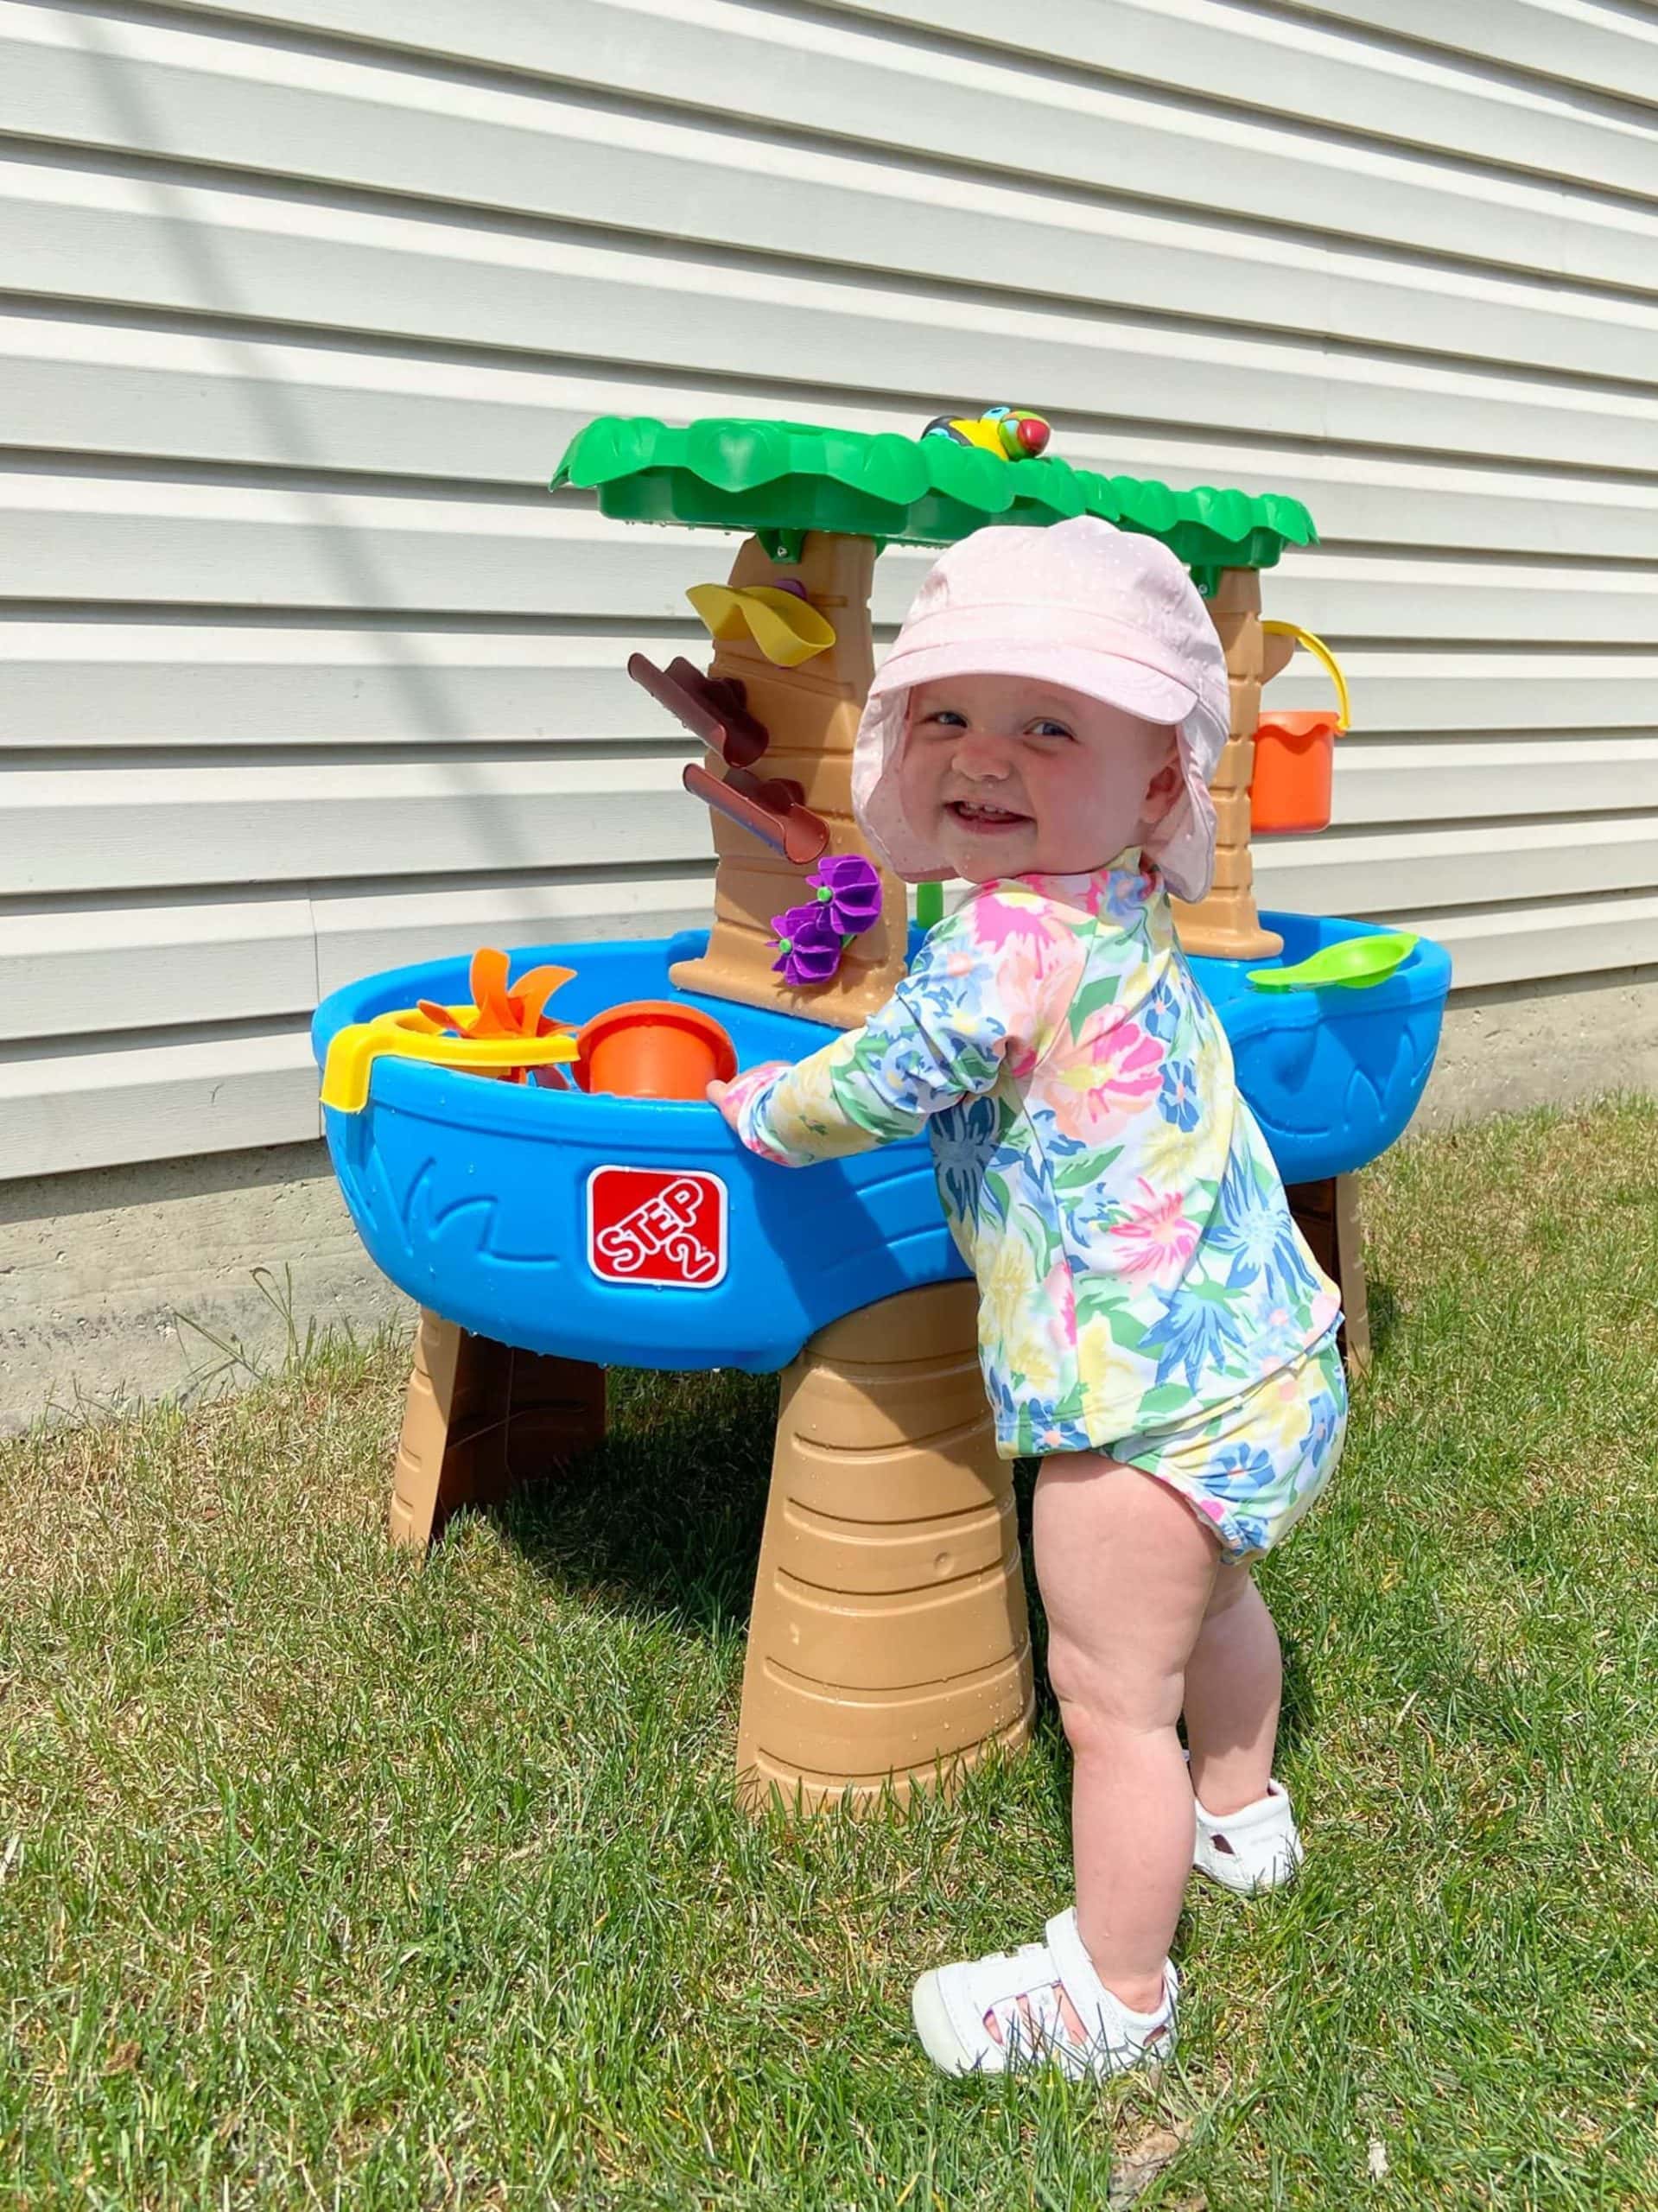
[1005,1976]
[1096,2008]
[1044,2032]
[1095,2005]
[997,1983]
[1274,1810]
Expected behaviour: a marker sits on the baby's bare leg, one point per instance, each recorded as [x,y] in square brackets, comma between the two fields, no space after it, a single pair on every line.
[1126,1572]
[1235,1679]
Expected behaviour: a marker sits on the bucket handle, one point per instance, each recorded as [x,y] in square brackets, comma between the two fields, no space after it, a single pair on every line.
[1321,651]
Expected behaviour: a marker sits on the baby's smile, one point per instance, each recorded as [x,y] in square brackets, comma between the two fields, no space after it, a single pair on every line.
[975,815]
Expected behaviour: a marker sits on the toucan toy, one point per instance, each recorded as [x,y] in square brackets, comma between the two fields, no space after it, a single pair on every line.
[1011,432]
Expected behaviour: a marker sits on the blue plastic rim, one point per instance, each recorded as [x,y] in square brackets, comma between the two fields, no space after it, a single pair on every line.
[472,1195]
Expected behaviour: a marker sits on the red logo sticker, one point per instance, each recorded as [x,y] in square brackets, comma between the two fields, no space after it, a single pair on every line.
[645,1225]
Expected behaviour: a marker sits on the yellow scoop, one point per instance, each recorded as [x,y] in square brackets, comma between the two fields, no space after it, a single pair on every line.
[410,1035]
[787,629]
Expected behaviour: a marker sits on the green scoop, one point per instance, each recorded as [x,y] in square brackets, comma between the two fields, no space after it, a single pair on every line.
[1353,963]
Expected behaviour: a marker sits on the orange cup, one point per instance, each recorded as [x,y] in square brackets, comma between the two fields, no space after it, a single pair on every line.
[653,1048]
[1294,773]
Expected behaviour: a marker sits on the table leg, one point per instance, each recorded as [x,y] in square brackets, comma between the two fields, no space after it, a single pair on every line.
[482,1417]
[1327,1214]
[889,1637]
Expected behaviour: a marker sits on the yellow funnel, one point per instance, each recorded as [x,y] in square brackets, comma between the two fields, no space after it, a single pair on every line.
[786,628]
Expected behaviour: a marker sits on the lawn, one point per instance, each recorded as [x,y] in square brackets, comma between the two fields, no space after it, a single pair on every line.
[328,1879]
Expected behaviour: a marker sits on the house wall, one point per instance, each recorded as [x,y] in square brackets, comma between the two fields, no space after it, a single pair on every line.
[305,673]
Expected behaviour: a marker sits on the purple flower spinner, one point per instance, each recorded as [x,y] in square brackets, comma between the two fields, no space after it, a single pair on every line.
[809,943]
[847,901]
[848,885]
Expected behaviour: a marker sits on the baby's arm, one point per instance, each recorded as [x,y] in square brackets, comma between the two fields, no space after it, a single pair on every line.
[964,1013]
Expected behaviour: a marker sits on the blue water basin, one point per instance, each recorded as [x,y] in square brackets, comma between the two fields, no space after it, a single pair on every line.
[1332,1076]
[474,1196]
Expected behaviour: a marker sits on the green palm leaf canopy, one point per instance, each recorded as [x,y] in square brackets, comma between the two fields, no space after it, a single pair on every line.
[780,479]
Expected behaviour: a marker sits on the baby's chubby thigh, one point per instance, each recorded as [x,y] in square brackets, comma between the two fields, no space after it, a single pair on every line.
[1126,1571]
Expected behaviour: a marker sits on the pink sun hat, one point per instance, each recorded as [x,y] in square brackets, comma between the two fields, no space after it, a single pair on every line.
[1080,604]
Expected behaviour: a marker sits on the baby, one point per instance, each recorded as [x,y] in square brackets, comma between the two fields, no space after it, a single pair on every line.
[1151,1323]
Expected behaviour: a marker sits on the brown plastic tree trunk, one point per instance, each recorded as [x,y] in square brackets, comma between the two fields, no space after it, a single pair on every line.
[889,1637]
[812,714]
[1225,925]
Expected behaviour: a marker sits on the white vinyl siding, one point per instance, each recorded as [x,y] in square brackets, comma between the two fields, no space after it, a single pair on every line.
[305,674]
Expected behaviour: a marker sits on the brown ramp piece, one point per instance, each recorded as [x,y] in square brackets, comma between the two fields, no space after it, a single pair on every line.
[482,1417]
[889,1636]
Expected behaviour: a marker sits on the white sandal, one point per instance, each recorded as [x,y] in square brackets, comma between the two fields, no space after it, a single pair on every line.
[1254,1849]
[951,2002]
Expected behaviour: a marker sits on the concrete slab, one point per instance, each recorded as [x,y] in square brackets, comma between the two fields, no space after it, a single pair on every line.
[174,1277]
[1552,1043]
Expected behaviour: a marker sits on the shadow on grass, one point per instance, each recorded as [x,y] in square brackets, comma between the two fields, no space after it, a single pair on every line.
[1385,1315]
[1299,1712]
[666,1515]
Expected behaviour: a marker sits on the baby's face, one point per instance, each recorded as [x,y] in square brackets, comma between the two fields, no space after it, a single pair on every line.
[1010,777]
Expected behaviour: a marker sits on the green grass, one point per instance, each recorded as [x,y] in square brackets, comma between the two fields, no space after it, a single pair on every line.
[327,1880]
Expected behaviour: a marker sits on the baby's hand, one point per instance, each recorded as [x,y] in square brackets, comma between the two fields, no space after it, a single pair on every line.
[731,1097]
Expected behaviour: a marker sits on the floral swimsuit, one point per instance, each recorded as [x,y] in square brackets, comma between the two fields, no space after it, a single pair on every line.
[1143,1287]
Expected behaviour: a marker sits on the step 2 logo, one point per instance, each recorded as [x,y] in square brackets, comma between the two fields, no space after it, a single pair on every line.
[651,1225]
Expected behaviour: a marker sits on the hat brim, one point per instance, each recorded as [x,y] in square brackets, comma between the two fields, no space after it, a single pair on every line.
[1129,685]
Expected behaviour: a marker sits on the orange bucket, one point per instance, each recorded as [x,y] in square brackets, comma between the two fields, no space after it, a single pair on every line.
[653,1048]
[1295,753]
[1295,772]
